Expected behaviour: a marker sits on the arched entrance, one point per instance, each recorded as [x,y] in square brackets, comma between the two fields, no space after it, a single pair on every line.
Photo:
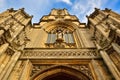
[60,72]
[61,76]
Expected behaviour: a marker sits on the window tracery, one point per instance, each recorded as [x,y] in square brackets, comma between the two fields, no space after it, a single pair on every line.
[60,37]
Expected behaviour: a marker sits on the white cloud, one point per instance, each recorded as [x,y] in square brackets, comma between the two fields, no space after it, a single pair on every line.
[81,8]
[66,1]
[37,9]
[2,3]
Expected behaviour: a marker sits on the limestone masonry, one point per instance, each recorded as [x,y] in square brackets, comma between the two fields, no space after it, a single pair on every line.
[59,46]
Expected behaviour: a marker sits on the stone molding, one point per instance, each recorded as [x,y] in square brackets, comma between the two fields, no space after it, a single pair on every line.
[59,54]
[80,67]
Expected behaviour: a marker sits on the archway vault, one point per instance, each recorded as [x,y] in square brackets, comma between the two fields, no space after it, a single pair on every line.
[58,71]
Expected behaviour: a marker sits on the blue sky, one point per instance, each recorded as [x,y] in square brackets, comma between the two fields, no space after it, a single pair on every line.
[80,8]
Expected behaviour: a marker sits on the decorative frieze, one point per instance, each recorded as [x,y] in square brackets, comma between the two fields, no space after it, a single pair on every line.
[10,51]
[38,54]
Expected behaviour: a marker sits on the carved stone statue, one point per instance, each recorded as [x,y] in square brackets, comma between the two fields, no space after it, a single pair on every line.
[59,34]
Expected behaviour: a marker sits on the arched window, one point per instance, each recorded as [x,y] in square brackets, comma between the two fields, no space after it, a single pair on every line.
[51,39]
[68,38]
[60,36]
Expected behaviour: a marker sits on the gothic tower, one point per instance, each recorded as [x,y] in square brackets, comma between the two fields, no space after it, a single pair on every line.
[59,46]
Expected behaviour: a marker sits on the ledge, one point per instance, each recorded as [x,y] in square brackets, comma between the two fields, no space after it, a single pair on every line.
[60,54]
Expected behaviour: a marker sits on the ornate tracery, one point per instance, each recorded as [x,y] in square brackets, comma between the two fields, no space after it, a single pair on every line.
[60,37]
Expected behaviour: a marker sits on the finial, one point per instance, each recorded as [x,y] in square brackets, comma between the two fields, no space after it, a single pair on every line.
[65,9]
[22,9]
[11,9]
[87,16]
[106,9]
[96,9]
[31,16]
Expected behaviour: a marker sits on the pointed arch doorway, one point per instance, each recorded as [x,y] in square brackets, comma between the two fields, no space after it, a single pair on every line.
[60,73]
[61,76]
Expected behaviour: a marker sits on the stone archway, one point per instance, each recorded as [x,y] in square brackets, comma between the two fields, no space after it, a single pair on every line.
[60,72]
[61,76]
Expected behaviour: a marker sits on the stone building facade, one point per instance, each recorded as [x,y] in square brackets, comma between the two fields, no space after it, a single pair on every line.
[59,47]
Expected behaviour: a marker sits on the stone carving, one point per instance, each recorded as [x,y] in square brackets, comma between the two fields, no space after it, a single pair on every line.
[59,34]
[37,68]
[2,40]
[59,54]
[81,67]
[10,51]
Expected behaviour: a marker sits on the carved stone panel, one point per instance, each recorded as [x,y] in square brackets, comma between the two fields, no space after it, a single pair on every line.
[63,54]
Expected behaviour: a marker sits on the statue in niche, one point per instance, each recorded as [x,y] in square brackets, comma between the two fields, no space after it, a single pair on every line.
[59,40]
[59,34]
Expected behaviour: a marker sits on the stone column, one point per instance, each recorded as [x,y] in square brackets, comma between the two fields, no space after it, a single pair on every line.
[112,26]
[2,57]
[10,17]
[114,19]
[25,22]
[97,26]
[4,63]
[118,31]
[16,71]
[103,13]
[80,43]
[26,71]
[116,47]
[115,28]
[1,32]
[113,69]
[92,21]
[4,19]
[99,18]
[98,75]
[6,72]
[3,48]
[76,39]
[17,32]
[111,17]
[18,11]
